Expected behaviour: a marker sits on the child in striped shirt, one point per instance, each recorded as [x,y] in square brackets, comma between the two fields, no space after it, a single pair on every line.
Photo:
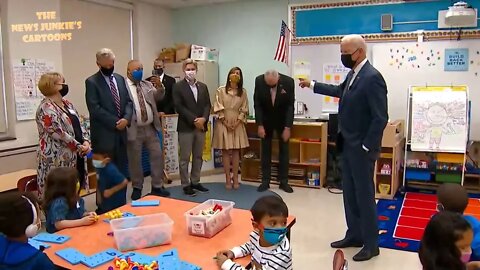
[268,245]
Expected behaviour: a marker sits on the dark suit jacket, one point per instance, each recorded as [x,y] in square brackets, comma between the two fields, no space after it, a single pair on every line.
[103,113]
[187,108]
[362,111]
[166,104]
[278,116]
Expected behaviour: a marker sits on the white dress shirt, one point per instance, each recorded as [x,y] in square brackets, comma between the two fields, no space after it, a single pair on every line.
[194,90]
[136,103]
[107,79]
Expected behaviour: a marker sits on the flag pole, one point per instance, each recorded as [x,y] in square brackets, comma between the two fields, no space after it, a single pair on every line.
[289,22]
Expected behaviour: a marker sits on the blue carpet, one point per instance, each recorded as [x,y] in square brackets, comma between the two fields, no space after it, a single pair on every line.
[244,197]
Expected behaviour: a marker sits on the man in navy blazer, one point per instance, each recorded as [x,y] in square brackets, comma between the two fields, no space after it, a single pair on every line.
[110,109]
[362,117]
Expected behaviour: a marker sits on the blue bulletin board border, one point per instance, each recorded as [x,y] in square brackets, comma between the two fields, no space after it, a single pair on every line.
[329,22]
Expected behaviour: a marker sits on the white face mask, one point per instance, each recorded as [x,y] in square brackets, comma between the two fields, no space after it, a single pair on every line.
[190,74]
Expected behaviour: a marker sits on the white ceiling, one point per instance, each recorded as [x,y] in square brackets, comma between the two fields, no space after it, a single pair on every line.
[181,3]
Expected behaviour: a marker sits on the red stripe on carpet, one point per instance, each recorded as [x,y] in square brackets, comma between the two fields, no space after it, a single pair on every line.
[422,197]
[420,223]
[416,212]
[420,204]
[409,233]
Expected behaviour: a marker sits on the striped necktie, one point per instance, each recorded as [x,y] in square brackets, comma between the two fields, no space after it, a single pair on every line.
[116,98]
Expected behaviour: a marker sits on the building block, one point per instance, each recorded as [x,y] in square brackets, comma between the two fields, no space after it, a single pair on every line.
[36,244]
[188,266]
[145,203]
[137,257]
[101,258]
[71,255]
[51,238]
[169,260]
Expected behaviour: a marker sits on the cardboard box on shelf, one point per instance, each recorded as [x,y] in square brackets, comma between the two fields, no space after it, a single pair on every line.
[167,55]
[201,53]
[393,133]
[182,52]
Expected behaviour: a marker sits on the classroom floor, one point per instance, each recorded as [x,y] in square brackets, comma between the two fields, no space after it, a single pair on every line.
[320,220]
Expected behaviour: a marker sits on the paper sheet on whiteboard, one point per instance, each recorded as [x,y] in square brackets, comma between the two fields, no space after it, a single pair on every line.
[333,74]
[301,70]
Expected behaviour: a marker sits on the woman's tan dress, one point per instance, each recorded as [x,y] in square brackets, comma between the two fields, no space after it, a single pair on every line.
[230,107]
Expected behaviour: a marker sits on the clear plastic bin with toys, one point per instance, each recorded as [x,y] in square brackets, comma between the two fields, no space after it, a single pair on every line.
[139,232]
[209,218]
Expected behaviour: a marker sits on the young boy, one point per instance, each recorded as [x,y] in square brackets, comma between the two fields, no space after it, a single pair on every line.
[268,245]
[112,185]
[19,220]
[454,198]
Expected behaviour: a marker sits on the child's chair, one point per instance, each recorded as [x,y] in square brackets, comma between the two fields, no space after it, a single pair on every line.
[339,262]
[27,184]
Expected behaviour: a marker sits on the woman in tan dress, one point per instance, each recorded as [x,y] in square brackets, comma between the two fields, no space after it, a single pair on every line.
[230,135]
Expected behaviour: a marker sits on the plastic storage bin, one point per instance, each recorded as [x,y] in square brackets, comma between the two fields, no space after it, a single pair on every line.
[448,177]
[205,226]
[418,174]
[142,231]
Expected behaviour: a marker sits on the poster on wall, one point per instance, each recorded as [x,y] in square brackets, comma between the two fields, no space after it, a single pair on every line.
[439,119]
[333,74]
[456,59]
[301,70]
[26,73]
[170,143]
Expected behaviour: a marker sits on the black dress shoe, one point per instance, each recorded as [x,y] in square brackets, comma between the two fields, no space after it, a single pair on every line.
[200,188]
[286,187]
[162,192]
[345,243]
[366,254]
[263,187]
[188,190]
[136,194]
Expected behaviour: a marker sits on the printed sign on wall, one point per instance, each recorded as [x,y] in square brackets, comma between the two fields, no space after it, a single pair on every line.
[456,59]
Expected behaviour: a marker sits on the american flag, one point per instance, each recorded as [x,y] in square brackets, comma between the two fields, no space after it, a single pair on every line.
[281,54]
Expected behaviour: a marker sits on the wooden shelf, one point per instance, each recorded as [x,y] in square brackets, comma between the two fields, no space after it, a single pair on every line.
[392,155]
[291,182]
[291,163]
[290,141]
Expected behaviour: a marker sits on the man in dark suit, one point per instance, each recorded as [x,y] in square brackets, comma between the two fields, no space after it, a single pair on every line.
[192,103]
[273,101]
[165,105]
[143,131]
[362,117]
[110,110]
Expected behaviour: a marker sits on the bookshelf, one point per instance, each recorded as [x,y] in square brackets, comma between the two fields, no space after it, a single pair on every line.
[307,151]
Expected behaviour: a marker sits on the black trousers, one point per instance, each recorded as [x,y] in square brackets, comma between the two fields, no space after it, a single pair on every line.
[267,159]
[358,168]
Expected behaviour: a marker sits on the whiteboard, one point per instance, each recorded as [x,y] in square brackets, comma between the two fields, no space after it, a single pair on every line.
[404,64]
[439,121]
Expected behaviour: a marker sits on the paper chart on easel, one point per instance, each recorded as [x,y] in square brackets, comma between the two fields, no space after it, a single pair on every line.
[26,73]
[439,119]
[333,74]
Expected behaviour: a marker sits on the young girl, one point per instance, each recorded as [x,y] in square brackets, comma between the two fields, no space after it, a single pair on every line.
[446,243]
[19,220]
[63,206]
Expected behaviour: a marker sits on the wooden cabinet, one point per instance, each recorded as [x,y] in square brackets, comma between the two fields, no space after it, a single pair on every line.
[387,177]
[307,155]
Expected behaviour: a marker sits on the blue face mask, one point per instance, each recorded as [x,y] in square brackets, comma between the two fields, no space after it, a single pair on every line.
[137,75]
[274,236]
[98,164]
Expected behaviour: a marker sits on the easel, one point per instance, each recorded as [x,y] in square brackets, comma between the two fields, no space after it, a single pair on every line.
[455,156]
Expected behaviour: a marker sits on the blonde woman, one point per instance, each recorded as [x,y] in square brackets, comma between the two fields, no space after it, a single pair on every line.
[62,140]
[231,108]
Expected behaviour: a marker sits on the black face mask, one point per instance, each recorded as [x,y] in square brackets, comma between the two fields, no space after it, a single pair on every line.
[158,71]
[347,60]
[64,90]
[107,71]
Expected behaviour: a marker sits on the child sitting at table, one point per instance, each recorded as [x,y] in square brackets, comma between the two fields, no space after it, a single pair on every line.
[112,184]
[19,220]
[454,198]
[268,245]
[446,243]
[64,208]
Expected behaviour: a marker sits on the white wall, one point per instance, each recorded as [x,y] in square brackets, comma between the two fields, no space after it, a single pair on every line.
[152,30]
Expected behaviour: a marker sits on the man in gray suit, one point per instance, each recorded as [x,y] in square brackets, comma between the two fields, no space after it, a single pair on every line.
[143,131]
[110,110]
[192,103]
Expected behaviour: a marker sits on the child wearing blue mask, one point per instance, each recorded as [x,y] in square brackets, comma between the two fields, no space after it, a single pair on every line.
[268,246]
[112,184]
[19,220]
[454,198]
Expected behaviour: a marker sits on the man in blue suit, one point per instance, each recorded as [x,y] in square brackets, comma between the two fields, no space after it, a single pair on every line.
[110,109]
[362,117]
